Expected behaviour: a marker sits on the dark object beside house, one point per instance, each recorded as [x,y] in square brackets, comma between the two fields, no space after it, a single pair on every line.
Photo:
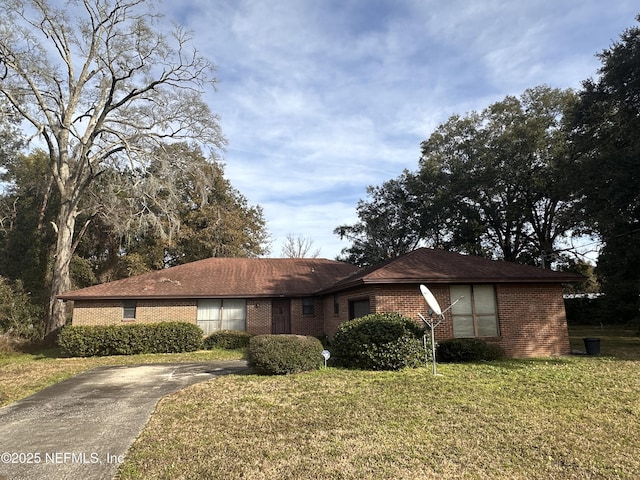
[592,345]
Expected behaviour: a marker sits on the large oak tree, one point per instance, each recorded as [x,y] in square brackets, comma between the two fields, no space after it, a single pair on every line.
[489,183]
[179,210]
[388,225]
[101,84]
[498,180]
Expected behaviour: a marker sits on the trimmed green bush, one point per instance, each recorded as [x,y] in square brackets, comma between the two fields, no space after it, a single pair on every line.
[380,341]
[175,337]
[227,339]
[163,337]
[459,350]
[284,354]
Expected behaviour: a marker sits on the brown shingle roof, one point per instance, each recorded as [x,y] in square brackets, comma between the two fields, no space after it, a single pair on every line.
[427,265]
[291,277]
[225,277]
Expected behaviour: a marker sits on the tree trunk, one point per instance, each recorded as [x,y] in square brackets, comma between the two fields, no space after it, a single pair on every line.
[45,203]
[60,280]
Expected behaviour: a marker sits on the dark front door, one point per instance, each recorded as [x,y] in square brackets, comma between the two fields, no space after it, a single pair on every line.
[280,315]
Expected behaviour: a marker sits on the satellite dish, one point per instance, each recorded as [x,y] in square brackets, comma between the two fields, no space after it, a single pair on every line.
[431,300]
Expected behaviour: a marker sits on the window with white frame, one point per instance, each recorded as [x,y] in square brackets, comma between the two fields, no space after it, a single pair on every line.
[474,315]
[222,314]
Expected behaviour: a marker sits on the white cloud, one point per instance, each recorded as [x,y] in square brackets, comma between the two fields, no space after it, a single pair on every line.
[320,99]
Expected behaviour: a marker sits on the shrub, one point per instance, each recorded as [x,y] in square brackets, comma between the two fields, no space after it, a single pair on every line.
[175,337]
[164,337]
[380,341]
[457,350]
[325,340]
[227,339]
[80,341]
[283,354]
[18,316]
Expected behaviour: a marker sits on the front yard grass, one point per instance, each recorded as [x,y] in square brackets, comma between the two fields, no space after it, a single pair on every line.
[571,417]
[24,374]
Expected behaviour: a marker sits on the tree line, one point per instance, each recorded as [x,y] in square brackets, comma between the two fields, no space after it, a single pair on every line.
[528,179]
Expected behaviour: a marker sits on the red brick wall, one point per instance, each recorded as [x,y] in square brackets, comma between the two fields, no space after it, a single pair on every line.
[307,324]
[259,316]
[333,320]
[404,299]
[531,318]
[109,312]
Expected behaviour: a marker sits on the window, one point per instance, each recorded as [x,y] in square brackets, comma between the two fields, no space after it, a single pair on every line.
[234,314]
[222,314]
[475,314]
[308,306]
[336,305]
[129,310]
[358,308]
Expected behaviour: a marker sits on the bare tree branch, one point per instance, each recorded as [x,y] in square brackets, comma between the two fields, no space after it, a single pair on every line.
[299,247]
[101,85]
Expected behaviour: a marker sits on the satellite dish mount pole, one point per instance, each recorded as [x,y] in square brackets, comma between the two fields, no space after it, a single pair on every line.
[432,324]
[434,308]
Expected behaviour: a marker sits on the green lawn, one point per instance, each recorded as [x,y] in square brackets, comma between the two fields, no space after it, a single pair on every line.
[575,417]
[562,418]
[618,342]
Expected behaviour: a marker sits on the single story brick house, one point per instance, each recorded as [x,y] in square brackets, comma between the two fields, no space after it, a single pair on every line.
[517,306]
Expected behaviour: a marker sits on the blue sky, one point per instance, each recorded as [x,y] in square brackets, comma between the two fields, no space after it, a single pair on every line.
[320,98]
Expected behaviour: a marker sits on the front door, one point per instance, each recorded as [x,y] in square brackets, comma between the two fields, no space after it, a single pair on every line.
[280,315]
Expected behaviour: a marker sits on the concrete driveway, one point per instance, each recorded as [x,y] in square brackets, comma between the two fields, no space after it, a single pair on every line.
[82,428]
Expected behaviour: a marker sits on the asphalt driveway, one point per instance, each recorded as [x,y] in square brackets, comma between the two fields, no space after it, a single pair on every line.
[82,428]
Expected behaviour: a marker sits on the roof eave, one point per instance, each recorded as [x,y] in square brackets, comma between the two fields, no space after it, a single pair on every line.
[448,281]
[183,297]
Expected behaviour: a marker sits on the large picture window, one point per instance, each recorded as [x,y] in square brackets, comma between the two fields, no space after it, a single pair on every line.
[222,314]
[475,314]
